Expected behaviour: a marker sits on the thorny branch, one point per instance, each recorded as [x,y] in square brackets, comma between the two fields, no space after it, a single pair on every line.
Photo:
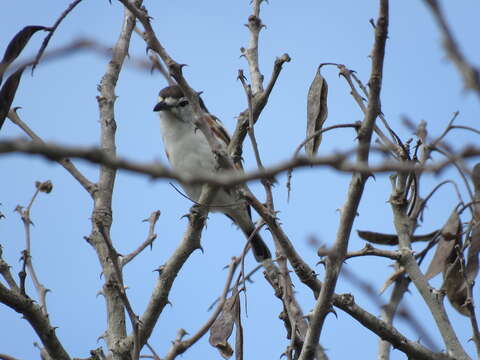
[471,77]
[52,30]
[45,187]
[337,161]
[180,346]
[152,220]
[102,213]
[335,258]
[64,161]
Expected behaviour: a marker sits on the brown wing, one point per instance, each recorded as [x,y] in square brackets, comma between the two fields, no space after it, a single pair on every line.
[218,129]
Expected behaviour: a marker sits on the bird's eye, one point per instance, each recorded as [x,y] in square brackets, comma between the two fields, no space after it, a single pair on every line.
[183,103]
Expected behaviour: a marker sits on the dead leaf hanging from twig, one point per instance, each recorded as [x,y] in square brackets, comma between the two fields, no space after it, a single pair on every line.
[317,111]
[7,93]
[474,248]
[223,326]
[450,234]
[16,45]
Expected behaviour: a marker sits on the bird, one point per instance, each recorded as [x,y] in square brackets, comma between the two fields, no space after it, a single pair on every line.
[189,153]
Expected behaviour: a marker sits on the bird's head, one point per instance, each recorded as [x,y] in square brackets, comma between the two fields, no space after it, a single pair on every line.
[171,100]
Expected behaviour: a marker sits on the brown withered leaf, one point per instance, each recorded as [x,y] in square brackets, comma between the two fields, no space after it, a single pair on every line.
[455,285]
[450,236]
[16,45]
[7,93]
[238,334]
[317,111]
[476,178]
[472,257]
[391,239]
[223,326]
[474,248]
[452,229]
[442,253]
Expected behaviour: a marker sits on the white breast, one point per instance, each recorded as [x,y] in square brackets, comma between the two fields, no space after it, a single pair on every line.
[187,149]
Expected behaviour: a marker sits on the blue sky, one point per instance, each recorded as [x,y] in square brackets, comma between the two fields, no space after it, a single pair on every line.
[59,103]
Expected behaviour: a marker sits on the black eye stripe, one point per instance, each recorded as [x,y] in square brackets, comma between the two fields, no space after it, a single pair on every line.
[183,103]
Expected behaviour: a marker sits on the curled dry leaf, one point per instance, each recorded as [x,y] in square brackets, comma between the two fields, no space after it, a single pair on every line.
[16,46]
[472,258]
[238,333]
[7,94]
[476,180]
[450,236]
[391,239]
[455,285]
[223,326]
[317,111]
[474,248]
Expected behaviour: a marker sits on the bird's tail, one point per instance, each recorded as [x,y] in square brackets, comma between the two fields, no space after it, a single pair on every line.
[259,248]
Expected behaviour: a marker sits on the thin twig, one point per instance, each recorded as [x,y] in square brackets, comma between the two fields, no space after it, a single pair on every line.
[27,253]
[335,259]
[470,75]
[179,347]
[152,220]
[337,161]
[51,31]
[64,161]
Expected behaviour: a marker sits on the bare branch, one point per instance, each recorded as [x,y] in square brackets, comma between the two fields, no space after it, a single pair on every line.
[65,162]
[413,349]
[349,211]
[40,322]
[6,274]
[156,170]
[169,271]
[470,75]
[370,250]
[7,357]
[152,220]
[102,213]
[27,253]
[52,30]
[179,347]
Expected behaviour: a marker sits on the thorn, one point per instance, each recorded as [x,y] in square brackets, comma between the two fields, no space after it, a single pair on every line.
[332,310]
[160,269]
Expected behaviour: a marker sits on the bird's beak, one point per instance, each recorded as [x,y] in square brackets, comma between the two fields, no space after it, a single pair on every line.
[161,106]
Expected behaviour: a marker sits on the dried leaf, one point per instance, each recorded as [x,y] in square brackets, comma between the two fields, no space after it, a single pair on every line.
[442,253]
[238,334]
[450,236]
[452,229]
[472,258]
[391,239]
[455,286]
[317,111]
[474,248]
[476,179]
[16,46]
[7,93]
[223,326]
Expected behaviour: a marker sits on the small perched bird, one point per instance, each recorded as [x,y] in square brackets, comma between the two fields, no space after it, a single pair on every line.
[189,153]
